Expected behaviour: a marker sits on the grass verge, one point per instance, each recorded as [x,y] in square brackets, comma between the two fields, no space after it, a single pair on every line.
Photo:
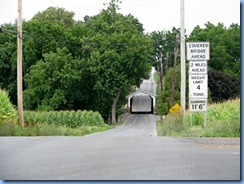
[223,120]
[49,130]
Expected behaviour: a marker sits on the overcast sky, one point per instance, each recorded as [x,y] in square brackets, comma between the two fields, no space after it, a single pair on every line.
[153,14]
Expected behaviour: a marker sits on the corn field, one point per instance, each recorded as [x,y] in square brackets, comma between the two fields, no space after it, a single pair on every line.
[8,114]
[67,118]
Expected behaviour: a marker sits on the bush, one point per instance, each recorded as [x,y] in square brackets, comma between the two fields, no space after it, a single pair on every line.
[8,114]
[222,86]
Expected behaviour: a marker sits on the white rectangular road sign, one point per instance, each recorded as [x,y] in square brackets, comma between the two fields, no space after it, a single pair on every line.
[198,86]
[198,68]
[198,105]
[197,50]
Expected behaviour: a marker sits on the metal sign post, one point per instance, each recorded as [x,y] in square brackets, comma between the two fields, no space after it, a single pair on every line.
[198,54]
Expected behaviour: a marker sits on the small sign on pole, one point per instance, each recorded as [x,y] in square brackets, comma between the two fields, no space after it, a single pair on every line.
[198,86]
[198,68]
[198,105]
[198,51]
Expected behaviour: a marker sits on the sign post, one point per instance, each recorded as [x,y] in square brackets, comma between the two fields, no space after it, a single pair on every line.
[198,55]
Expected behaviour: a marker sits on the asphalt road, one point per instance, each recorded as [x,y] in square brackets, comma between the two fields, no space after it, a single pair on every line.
[131,151]
[116,157]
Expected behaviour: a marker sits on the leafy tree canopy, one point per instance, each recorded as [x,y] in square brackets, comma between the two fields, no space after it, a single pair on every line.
[224,46]
[56,15]
[101,60]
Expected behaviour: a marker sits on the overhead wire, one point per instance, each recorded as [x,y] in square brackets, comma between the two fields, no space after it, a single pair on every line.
[82,45]
[143,3]
[140,3]
[71,5]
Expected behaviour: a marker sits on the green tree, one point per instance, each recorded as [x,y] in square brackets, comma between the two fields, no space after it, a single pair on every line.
[120,56]
[164,97]
[8,60]
[163,48]
[224,46]
[56,15]
[41,35]
[51,82]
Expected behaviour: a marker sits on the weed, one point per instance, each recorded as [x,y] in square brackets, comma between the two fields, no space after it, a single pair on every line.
[223,120]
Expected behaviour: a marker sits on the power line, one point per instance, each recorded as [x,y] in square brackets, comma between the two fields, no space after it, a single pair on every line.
[142,3]
[71,5]
[47,39]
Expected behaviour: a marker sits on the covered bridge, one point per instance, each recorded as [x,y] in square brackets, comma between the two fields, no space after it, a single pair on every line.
[141,102]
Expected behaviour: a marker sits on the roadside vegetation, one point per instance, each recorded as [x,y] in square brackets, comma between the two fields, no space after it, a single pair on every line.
[8,114]
[223,120]
[95,62]
[52,123]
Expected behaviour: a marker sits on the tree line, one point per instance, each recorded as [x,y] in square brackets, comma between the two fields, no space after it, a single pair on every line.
[223,66]
[93,64]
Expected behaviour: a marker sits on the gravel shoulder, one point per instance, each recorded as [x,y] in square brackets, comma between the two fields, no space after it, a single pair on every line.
[218,142]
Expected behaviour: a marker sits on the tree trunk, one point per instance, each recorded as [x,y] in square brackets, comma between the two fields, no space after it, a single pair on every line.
[160,78]
[174,72]
[161,72]
[114,106]
[167,63]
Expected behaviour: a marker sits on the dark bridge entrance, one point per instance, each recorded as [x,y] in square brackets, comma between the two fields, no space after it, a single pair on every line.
[141,102]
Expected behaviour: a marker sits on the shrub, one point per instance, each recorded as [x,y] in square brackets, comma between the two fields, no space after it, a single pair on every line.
[8,114]
[222,86]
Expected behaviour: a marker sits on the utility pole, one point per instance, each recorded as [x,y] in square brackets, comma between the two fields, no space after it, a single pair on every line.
[19,66]
[183,58]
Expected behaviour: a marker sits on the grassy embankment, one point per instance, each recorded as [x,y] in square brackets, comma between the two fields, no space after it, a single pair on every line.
[223,120]
[53,123]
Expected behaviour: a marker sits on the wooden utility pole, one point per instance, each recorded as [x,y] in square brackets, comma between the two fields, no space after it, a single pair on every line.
[19,66]
[183,58]
[174,71]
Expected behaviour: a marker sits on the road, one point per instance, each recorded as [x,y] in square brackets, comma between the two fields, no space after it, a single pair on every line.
[131,151]
[117,157]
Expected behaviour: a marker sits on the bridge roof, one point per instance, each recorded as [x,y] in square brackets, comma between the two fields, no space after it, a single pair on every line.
[141,91]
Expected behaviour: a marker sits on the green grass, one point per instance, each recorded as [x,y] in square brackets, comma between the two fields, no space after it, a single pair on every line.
[223,120]
[49,130]
[156,77]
